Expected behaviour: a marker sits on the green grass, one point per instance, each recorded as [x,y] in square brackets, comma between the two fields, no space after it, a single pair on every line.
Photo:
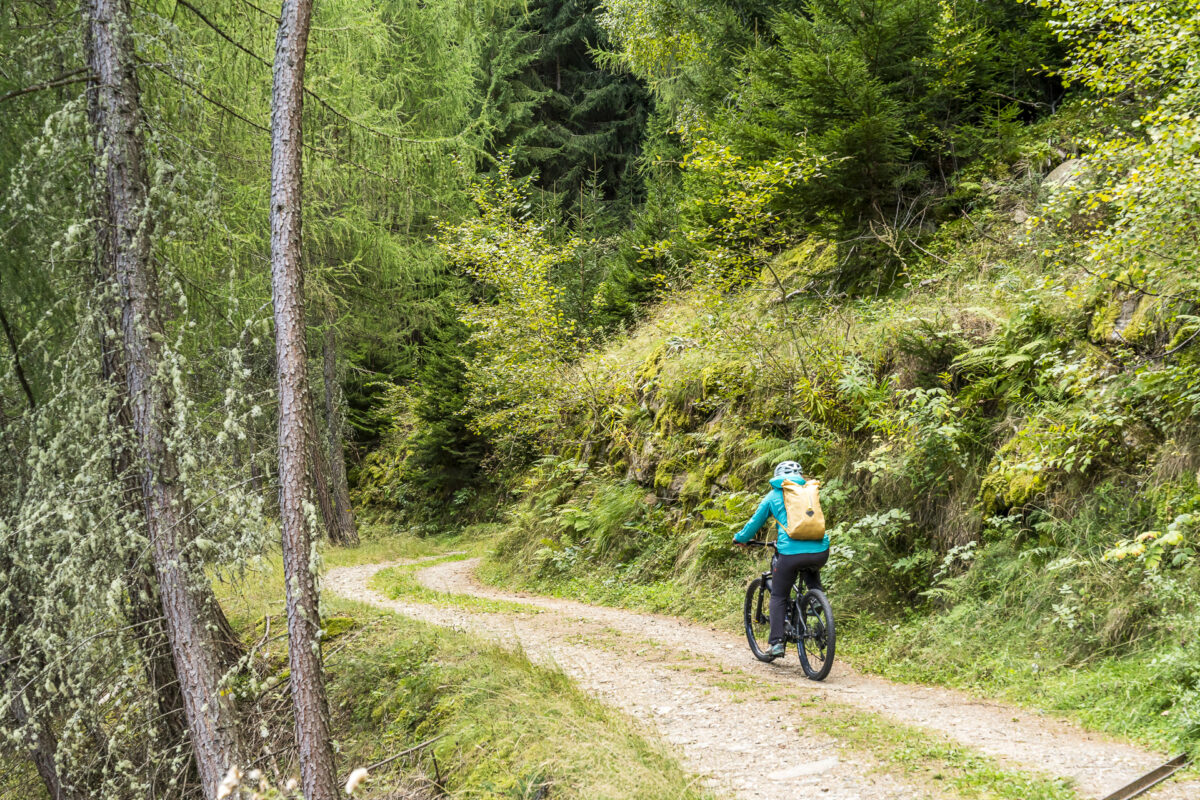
[509,729]
[881,744]
[259,585]
[602,586]
[19,779]
[401,582]
[930,759]
[984,651]
[1127,696]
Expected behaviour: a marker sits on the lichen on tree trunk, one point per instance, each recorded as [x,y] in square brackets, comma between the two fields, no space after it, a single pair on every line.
[124,233]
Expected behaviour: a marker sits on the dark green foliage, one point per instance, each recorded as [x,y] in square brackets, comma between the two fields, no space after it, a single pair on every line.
[899,95]
[573,122]
[446,454]
[838,77]
[645,256]
[395,319]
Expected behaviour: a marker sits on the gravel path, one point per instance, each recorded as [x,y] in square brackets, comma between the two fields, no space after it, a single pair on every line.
[661,670]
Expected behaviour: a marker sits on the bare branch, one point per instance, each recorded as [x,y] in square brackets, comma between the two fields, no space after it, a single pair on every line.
[80,75]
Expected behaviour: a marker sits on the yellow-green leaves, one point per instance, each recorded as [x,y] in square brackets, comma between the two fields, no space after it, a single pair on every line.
[1151,547]
[522,336]
[732,216]
[1136,205]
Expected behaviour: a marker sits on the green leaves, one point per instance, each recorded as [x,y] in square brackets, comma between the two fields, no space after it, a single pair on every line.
[733,216]
[1135,208]
[1176,545]
[522,337]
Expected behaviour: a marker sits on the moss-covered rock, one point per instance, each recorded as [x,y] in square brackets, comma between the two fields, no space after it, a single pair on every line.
[652,366]
[1125,317]
[665,474]
[1003,489]
[336,626]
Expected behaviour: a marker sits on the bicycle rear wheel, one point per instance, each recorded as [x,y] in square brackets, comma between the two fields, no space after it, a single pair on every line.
[817,636]
[757,617]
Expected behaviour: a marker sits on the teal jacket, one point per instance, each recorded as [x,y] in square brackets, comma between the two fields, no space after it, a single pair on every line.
[772,506]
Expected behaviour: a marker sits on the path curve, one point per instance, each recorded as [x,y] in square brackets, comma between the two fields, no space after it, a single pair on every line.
[709,724]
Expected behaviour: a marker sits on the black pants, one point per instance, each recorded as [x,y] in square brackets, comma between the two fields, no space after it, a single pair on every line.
[785,570]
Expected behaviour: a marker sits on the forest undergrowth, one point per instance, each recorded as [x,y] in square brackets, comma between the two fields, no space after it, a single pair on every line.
[985,444]
[584,271]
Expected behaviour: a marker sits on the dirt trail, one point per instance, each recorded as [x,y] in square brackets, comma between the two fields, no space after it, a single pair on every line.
[650,666]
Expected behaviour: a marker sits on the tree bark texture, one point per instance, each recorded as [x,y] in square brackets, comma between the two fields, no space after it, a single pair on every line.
[42,748]
[317,776]
[143,604]
[127,234]
[333,429]
[16,354]
[318,467]
[321,469]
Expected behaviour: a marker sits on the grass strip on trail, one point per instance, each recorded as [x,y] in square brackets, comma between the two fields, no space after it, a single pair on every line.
[930,759]
[512,729]
[400,582]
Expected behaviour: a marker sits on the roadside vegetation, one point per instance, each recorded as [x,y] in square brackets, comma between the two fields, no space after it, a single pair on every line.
[561,281]
[490,724]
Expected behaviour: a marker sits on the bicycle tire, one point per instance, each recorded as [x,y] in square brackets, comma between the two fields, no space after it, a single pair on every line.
[819,640]
[755,614]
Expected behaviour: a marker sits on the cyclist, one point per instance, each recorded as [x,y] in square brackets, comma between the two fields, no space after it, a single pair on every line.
[794,556]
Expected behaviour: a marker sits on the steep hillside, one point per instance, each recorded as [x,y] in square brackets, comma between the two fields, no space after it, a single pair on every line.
[1009,462]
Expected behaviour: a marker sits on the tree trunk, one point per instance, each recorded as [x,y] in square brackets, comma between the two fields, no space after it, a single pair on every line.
[16,354]
[318,468]
[333,429]
[144,608]
[43,745]
[42,748]
[311,708]
[126,235]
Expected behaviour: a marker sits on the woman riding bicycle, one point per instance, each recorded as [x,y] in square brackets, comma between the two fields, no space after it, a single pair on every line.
[794,556]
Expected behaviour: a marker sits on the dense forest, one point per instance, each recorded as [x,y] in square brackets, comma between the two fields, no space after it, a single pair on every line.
[290,291]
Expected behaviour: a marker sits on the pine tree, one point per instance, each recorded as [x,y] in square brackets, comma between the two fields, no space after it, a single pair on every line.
[307,681]
[446,454]
[126,254]
[585,122]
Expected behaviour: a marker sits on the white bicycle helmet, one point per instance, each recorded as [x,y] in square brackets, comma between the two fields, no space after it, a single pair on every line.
[788,468]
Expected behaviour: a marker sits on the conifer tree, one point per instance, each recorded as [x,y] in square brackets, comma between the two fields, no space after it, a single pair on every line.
[334,431]
[307,678]
[585,122]
[125,235]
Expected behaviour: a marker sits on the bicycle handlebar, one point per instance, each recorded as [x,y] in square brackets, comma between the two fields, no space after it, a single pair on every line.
[756,543]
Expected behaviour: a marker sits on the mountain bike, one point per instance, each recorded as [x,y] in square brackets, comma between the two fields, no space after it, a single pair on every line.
[809,622]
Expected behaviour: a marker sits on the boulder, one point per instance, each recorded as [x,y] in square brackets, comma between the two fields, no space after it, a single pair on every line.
[1067,173]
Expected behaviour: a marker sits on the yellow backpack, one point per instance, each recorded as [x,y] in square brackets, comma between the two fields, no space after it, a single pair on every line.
[806,521]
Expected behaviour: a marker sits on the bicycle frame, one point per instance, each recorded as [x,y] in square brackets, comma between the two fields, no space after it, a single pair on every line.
[792,632]
[814,639]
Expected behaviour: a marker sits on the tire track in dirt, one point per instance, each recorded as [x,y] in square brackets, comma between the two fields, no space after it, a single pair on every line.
[740,746]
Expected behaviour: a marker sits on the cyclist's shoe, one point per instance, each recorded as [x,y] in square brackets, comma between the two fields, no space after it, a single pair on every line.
[777,650]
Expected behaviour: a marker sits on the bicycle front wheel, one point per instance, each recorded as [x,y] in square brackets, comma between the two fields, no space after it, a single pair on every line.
[757,616]
[817,635]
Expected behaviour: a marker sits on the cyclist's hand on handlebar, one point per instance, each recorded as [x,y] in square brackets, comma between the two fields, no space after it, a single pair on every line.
[742,545]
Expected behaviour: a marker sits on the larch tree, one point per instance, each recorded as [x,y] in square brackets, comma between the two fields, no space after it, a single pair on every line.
[126,242]
[309,703]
